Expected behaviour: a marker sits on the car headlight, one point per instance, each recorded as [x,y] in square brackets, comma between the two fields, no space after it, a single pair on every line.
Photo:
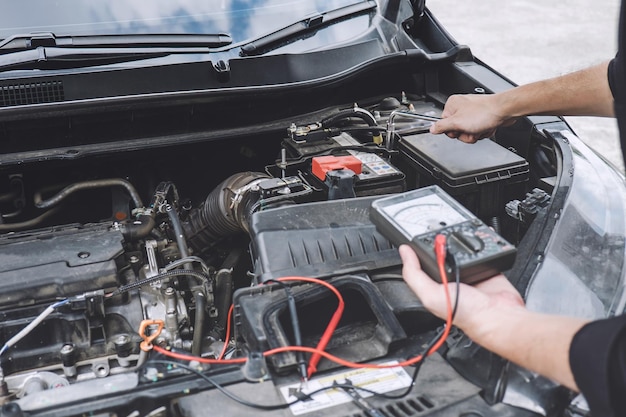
[582,271]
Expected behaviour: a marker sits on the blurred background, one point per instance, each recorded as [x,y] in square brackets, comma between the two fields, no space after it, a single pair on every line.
[528,40]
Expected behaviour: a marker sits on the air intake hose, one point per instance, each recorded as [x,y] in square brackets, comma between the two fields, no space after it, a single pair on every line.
[225,211]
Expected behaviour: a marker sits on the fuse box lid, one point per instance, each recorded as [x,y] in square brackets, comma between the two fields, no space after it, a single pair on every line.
[458,163]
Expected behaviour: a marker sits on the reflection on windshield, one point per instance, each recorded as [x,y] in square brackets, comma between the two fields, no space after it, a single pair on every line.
[242,19]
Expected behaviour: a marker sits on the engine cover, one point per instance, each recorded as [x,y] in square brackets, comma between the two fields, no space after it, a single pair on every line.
[37,269]
[43,267]
[319,239]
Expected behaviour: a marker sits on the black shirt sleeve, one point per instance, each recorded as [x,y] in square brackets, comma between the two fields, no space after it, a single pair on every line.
[598,362]
[617,80]
[617,69]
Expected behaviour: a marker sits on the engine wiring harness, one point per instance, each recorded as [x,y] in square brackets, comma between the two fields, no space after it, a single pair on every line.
[317,352]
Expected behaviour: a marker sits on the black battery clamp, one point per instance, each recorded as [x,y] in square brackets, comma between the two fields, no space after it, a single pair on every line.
[416,217]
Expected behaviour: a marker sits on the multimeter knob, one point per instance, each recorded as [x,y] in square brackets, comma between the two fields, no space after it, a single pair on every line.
[469,240]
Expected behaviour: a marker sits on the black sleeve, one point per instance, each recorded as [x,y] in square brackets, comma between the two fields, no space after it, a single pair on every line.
[598,360]
[617,79]
[617,69]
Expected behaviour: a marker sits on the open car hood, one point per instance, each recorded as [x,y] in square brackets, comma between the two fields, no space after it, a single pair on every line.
[180,231]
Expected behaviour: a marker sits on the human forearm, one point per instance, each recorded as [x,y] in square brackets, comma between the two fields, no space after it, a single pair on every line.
[581,93]
[539,342]
[470,117]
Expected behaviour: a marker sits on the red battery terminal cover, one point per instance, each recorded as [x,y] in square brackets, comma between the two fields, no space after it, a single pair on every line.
[322,164]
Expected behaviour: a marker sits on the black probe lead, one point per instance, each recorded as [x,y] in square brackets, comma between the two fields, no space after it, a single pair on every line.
[295,324]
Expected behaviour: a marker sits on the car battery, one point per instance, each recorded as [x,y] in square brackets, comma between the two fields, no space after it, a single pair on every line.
[375,175]
[479,175]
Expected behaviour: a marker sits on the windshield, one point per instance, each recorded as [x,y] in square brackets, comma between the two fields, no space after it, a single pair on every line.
[242,19]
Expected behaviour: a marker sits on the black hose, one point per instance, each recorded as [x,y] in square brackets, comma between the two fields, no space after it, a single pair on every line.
[138,229]
[223,213]
[163,190]
[178,231]
[198,327]
[27,224]
[10,196]
[223,295]
[88,185]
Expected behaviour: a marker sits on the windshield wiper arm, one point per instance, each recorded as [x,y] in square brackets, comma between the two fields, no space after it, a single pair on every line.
[31,41]
[312,23]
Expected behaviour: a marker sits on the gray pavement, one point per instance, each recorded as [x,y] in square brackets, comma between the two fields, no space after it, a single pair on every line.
[528,40]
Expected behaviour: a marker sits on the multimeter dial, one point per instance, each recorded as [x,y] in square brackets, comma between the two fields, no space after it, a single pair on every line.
[428,214]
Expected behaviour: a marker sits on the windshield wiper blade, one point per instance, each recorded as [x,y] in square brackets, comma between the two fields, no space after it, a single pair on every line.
[31,41]
[58,58]
[303,27]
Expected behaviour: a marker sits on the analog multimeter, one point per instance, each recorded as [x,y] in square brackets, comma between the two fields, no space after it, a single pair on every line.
[415,217]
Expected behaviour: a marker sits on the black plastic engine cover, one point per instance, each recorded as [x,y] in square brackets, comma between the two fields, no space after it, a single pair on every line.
[47,266]
[320,239]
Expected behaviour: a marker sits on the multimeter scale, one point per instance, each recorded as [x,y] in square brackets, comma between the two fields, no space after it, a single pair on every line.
[415,217]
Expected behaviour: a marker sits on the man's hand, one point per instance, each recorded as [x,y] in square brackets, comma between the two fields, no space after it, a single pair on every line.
[475,301]
[492,314]
[471,117]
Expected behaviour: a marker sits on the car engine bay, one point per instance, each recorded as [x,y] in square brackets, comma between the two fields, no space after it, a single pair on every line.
[102,249]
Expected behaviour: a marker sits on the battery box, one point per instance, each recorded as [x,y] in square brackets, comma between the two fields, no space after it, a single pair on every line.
[479,175]
[376,175]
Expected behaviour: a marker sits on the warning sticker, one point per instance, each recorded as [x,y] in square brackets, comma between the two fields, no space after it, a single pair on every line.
[379,380]
[374,165]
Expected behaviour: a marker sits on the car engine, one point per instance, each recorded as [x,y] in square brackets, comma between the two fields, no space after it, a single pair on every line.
[100,249]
